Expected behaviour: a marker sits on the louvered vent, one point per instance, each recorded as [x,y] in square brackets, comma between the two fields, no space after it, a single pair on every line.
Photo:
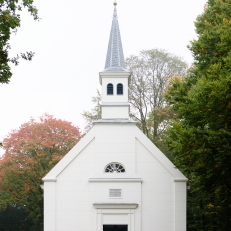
[115,193]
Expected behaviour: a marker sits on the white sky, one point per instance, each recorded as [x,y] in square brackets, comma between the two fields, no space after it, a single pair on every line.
[70,44]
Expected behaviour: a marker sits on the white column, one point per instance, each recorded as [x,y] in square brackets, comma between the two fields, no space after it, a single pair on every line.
[180,205]
[132,219]
[99,220]
[49,205]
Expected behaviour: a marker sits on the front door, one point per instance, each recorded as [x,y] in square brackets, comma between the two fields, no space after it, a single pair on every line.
[115,228]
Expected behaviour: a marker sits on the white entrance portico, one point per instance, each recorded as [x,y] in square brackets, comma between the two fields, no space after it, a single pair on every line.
[115,214]
[116,211]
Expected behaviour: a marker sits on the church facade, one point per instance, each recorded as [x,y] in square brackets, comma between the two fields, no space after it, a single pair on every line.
[115,178]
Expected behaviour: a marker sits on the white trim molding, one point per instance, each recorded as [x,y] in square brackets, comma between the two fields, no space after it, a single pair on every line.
[115,205]
[115,179]
[112,104]
[49,179]
[180,180]
[114,75]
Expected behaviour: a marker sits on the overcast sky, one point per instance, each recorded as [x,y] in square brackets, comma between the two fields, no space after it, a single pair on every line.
[70,44]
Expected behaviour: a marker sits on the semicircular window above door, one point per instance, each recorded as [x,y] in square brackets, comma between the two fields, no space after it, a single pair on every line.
[114,168]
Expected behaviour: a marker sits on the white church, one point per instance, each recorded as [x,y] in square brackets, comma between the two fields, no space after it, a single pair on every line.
[115,178]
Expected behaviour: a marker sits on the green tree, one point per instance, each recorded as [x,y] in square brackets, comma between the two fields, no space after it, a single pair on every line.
[200,136]
[30,153]
[94,114]
[9,23]
[14,218]
[151,72]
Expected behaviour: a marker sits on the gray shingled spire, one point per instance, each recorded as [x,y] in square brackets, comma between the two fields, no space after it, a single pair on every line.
[115,56]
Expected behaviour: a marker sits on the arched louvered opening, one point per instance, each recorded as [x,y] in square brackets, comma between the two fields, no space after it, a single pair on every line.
[120,89]
[114,168]
[110,89]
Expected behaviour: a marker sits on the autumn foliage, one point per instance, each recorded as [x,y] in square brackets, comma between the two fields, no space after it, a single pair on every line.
[30,152]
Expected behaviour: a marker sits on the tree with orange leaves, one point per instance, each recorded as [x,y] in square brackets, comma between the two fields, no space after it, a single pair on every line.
[30,153]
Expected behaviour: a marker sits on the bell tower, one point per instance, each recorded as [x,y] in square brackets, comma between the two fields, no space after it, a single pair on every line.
[115,78]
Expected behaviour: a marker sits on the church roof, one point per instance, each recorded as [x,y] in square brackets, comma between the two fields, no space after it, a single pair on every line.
[115,57]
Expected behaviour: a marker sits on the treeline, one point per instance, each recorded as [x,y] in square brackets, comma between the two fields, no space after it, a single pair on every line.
[16,218]
[200,135]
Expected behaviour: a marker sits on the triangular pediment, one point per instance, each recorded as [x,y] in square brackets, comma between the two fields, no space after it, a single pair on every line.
[100,132]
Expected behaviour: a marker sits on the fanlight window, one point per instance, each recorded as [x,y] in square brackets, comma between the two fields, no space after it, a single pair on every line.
[119,89]
[110,89]
[114,168]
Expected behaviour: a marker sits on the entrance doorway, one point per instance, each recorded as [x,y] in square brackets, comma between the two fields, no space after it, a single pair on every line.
[115,228]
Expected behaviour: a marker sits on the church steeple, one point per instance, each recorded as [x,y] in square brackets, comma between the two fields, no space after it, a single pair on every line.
[115,78]
[115,57]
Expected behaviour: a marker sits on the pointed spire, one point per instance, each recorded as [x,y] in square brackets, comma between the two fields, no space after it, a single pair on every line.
[115,57]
